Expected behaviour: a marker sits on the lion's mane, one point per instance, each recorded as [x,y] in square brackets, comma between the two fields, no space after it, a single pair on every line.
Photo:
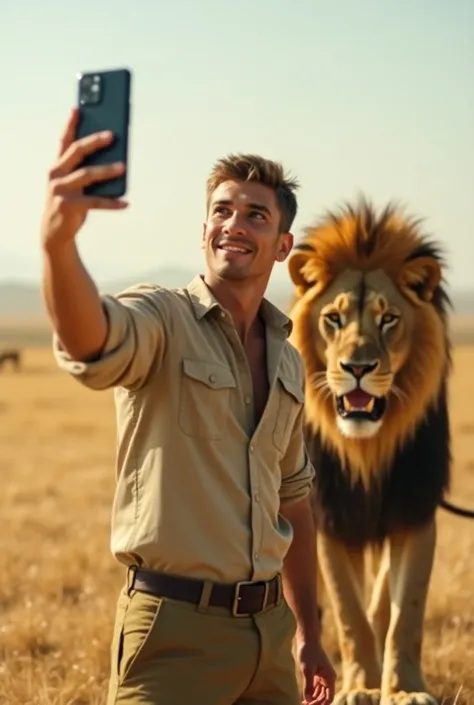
[368,488]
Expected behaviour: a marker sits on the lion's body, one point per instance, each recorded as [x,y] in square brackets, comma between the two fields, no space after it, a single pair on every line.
[370,321]
[406,498]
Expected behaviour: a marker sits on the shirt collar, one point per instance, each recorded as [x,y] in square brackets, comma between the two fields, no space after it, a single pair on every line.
[203,302]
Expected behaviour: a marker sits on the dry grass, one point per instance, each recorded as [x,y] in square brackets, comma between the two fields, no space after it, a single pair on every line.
[58,582]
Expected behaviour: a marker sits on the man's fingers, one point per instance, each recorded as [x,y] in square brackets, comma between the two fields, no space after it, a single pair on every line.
[67,138]
[330,681]
[70,188]
[97,203]
[108,204]
[322,696]
[77,150]
[86,176]
[316,690]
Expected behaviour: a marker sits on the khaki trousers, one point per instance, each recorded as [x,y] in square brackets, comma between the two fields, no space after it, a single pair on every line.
[166,652]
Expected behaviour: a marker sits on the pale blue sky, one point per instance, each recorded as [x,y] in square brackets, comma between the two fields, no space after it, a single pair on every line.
[372,95]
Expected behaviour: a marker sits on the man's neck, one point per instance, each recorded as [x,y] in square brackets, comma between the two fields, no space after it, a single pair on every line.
[241,299]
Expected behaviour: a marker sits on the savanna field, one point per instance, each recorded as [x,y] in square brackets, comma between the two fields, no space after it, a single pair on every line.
[59,583]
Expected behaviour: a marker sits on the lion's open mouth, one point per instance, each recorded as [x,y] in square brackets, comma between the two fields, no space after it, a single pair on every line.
[360,405]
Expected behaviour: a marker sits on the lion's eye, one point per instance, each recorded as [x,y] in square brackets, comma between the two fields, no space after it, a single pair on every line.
[388,319]
[334,318]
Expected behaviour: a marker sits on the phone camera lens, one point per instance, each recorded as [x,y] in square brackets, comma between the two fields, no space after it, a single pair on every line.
[90,90]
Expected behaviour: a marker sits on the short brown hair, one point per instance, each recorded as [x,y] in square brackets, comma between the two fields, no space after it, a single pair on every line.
[251,167]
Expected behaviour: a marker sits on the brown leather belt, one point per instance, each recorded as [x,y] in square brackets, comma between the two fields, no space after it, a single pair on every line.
[242,599]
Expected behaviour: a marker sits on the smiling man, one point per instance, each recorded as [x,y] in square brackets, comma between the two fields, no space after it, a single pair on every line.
[211,517]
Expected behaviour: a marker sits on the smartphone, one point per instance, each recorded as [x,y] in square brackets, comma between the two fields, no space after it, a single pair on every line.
[104,102]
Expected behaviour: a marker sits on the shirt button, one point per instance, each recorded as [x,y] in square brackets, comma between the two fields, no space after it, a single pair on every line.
[256,556]
[222,314]
[212,378]
[251,449]
[257,497]
[247,400]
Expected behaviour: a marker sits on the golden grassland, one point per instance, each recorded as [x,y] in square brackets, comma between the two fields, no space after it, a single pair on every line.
[59,584]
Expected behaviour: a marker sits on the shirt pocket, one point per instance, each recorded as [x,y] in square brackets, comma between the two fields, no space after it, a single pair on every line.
[290,401]
[204,406]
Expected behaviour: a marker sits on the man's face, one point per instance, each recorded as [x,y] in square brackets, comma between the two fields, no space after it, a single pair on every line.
[241,237]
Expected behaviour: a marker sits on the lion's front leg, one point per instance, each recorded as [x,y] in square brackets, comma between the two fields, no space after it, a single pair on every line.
[411,561]
[343,573]
[378,612]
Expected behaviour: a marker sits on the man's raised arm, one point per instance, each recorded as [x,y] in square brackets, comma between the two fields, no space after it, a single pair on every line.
[104,341]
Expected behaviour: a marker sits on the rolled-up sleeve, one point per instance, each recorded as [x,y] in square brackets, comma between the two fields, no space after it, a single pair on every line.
[138,329]
[296,467]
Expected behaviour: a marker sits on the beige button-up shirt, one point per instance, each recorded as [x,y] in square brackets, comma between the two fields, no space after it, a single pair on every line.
[198,487]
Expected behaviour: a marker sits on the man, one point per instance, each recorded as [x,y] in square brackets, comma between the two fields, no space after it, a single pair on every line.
[211,513]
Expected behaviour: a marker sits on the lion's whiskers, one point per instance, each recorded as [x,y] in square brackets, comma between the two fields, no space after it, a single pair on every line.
[399,393]
[380,384]
[321,383]
[317,376]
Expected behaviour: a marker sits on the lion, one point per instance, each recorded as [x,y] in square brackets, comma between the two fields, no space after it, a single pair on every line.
[370,320]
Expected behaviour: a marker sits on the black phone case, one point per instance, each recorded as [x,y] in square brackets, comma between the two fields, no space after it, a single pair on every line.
[112,112]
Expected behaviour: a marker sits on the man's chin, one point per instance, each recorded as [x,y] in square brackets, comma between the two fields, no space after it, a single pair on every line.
[230,272]
[234,276]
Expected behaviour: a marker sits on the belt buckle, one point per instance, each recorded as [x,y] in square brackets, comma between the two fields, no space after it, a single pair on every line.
[237,597]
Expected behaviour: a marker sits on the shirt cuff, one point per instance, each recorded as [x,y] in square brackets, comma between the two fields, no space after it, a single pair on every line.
[107,368]
[298,486]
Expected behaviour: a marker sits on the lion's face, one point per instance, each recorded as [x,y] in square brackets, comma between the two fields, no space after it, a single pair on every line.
[369,319]
[363,328]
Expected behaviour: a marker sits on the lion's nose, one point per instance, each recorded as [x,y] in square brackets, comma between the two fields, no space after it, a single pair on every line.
[358,369]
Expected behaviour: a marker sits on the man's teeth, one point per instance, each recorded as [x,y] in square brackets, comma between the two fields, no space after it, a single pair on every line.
[369,407]
[232,248]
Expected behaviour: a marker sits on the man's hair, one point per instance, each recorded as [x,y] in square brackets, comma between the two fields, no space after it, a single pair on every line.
[251,167]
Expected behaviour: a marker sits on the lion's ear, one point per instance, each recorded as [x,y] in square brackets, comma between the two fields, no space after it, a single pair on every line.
[419,278]
[303,271]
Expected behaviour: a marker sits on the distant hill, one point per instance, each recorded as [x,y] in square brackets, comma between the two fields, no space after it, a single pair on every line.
[18,300]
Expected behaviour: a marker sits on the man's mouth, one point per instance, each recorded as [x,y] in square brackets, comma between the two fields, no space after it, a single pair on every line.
[238,249]
[360,405]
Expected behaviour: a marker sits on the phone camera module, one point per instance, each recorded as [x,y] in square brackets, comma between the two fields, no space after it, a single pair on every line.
[90,90]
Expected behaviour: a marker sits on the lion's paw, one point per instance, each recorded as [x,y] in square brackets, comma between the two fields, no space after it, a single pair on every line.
[357,696]
[404,698]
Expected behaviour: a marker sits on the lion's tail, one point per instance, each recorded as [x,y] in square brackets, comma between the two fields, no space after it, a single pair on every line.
[460,511]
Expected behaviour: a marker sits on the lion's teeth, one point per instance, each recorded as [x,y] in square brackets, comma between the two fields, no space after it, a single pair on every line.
[370,405]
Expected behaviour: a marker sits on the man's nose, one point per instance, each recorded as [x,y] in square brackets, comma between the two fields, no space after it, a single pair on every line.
[234,225]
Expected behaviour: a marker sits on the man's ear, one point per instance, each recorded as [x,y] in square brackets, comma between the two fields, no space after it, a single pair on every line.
[419,278]
[203,237]
[285,246]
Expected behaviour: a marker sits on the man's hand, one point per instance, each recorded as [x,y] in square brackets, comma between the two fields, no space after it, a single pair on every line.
[299,586]
[319,677]
[71,297]
[66,207]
